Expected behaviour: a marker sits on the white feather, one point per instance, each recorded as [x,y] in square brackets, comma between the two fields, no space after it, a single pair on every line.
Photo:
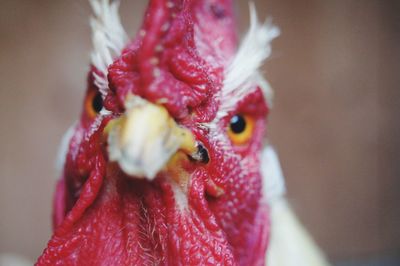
[242,75]
[290,243]
[63,149]
[108,37]
[273,180]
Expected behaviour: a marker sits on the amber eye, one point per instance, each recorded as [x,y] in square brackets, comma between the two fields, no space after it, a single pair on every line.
[93,103]
[240,129]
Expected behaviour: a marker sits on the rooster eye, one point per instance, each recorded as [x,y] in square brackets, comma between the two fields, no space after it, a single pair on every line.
[240,129]
[97,103]
[94,103]
[238,124]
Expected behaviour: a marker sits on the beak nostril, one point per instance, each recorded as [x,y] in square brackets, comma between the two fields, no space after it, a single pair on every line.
[201,155]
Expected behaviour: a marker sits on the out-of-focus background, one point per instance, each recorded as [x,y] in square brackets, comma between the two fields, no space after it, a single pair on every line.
[335,71]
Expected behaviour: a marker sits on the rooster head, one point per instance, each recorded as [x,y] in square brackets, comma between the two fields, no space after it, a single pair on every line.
[163,167]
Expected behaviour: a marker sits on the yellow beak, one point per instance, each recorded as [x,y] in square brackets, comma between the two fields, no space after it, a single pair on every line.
[145,139]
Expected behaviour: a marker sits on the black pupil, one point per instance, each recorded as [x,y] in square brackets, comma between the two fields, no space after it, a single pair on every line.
[238,124]
[97,103]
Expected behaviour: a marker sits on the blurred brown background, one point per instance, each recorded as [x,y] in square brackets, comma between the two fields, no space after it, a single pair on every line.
[335,70]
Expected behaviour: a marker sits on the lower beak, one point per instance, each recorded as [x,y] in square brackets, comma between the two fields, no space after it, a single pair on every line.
[146,139]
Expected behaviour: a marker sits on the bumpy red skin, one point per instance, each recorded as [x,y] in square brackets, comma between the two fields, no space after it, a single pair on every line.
[103,217]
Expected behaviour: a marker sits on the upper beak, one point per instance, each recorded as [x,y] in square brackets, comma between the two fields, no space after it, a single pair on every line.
[145,139]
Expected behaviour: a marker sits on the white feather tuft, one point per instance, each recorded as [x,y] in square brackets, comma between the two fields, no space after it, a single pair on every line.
[108,37]
[290,243]
[273,181]
[63,149]
[242,75]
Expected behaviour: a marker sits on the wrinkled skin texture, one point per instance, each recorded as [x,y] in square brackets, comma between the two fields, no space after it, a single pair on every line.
[104,217]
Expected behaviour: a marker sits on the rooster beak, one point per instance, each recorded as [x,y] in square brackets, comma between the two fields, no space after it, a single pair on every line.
[146,140]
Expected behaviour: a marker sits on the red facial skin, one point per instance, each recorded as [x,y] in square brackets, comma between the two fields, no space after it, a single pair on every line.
[104,217]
